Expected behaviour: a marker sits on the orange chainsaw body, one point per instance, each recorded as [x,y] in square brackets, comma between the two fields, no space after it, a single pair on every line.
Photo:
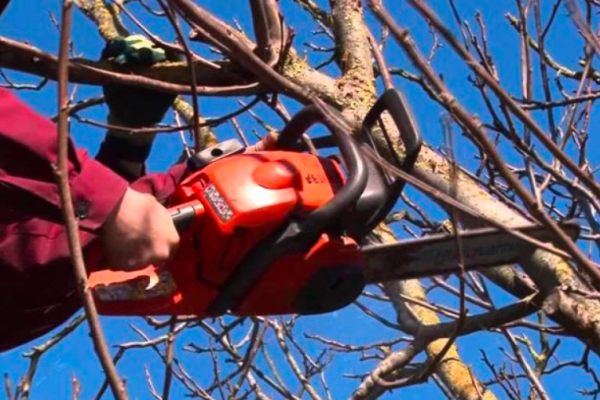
[238,201]
[267,233]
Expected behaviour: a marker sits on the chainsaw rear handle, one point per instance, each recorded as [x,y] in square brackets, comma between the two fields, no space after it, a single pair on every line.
[333,210]
[183,218]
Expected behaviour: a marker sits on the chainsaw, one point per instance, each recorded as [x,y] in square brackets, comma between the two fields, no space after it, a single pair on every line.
[283,231]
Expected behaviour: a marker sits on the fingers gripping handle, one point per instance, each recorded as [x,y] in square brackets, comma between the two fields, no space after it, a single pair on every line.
[147,290]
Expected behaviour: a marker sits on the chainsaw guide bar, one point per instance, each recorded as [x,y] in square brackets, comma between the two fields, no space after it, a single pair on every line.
[437,254]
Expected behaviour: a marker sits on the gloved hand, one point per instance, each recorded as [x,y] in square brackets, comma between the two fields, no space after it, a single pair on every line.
[132,106]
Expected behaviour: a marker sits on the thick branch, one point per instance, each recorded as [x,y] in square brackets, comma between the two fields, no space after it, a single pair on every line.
[353,41]
[105,21]
[167,76]
[269,30]
[452,371]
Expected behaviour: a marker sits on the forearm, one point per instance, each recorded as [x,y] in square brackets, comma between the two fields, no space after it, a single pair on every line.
[125,152]
[28,151]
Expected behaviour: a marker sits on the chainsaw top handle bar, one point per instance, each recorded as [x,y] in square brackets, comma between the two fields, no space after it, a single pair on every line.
[333,210]
[393,102]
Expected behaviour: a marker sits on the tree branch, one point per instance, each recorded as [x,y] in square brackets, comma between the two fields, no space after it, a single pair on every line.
[61,173]
[238,51]
[357,84]
[170,77]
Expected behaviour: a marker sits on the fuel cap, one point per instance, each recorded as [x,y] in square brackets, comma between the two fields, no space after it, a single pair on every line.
[214,153]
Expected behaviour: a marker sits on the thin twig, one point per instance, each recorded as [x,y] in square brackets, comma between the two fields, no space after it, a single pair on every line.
[61,174]
[169,360]
[194,85]
[380,60]
[426,12]
[24,387]
[530,373]
[460,323]
[238,51]
[8,387]
[151,386]
[475,129]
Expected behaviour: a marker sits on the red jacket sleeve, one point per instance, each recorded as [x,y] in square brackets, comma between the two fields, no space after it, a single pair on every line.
[37,286]
[28,150]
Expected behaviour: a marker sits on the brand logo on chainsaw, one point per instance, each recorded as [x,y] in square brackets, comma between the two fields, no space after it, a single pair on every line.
[482,251]
[314,178]
[476,251]
[218,203]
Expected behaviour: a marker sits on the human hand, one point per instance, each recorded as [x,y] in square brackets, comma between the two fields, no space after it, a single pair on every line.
[265,143]
[132,106]
[139,232]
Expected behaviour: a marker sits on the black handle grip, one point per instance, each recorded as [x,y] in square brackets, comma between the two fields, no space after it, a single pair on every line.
[393,101]
[183,217]
[333,210]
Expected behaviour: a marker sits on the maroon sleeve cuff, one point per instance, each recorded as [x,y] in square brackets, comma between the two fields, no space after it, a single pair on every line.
[161,185]
[96,191]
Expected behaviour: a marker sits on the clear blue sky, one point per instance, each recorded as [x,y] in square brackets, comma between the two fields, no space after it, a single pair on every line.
[29,20]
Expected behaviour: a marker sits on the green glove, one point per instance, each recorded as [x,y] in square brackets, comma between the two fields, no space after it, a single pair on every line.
[135,107]
[134,49]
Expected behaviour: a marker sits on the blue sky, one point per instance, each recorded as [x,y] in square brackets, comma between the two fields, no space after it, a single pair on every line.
[29,20]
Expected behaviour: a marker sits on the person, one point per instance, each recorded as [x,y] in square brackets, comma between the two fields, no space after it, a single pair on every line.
[115,201]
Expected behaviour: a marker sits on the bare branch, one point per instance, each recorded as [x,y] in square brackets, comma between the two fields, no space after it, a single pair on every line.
[269,30]
[238,51]
[170,78]
[61,173]
[477,132]
[426,12]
